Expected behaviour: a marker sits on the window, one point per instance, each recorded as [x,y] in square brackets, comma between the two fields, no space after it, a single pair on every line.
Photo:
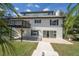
[52,34]
[53,22]
[37,21]
[24,23]
[34,32]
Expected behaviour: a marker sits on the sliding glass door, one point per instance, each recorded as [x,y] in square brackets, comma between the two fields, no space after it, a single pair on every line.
[49,34]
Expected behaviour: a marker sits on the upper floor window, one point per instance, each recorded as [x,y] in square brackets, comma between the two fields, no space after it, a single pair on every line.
[53,22]
[37,21]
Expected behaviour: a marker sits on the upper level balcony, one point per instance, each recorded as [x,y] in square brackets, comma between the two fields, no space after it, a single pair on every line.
[18,23]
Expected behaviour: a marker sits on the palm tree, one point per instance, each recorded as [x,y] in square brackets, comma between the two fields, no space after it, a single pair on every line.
[5,43]
[71,18]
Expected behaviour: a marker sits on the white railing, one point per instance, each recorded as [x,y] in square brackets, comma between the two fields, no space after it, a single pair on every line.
[39,16]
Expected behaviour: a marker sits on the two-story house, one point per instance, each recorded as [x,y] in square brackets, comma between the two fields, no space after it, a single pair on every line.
[43,24]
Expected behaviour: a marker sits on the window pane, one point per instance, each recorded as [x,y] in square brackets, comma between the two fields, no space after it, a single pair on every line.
[44,34]
[53,22]
[52,34]
[37,21]
[34,32]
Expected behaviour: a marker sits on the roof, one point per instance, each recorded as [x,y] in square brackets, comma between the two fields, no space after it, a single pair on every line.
[34,17]
[37,12]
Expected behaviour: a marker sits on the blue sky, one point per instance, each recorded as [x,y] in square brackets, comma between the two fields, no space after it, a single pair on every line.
[20,7]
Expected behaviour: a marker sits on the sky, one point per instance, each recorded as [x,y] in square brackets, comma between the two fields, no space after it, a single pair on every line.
[29,7]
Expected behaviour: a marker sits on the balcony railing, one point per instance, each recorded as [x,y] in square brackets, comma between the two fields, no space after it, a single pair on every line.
[18,23]
[38,15]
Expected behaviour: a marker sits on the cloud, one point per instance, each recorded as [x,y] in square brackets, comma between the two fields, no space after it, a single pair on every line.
[16,8]
[46,9]
[37,6]
[28,10]
[33,5]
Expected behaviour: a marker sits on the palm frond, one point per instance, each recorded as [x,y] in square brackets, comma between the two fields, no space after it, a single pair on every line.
[75,8]
[70,19]
[11,7]
[5,43]
[69,6]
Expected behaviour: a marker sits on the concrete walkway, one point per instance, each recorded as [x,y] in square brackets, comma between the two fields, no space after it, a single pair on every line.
[44,49]
[59,41]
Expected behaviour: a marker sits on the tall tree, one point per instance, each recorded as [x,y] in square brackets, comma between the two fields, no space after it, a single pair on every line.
[71,18]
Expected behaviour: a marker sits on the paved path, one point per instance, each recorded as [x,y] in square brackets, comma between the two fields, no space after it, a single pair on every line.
[59,41]
[44,49]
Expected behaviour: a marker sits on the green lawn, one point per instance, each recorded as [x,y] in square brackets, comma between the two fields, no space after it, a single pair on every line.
[67,50]
[23,48]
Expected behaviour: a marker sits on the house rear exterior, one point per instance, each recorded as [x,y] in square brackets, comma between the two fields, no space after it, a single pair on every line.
[44,24]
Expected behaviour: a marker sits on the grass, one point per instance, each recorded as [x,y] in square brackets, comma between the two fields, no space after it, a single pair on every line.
[67,50]
[23,48]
